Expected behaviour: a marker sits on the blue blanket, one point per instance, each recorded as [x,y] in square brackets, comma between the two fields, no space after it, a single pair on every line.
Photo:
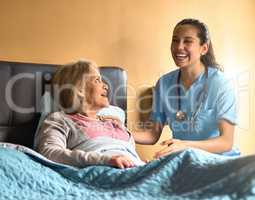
[189,174]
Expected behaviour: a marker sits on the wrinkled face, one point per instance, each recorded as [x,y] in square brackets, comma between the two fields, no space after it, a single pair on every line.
[186,48]
[96,91]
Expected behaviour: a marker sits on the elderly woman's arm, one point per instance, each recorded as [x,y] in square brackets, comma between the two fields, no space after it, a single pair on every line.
[52,143]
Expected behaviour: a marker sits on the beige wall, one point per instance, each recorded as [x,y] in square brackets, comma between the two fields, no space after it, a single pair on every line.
[135,35]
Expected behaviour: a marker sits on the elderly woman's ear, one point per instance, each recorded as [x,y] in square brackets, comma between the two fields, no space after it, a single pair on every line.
[80,94]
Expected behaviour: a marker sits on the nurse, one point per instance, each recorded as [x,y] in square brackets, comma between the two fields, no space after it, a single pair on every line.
[196,100]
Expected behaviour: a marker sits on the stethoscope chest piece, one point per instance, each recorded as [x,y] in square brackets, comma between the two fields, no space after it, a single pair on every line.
[180,115]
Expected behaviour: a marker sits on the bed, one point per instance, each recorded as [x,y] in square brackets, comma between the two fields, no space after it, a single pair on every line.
[25,174]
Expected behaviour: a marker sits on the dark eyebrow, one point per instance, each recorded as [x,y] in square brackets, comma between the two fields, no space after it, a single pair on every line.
[188,37]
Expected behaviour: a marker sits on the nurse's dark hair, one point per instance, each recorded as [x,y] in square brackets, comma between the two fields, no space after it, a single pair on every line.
[208,59]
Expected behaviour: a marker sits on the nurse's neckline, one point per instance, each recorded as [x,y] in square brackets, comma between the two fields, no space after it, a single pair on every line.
[187,82]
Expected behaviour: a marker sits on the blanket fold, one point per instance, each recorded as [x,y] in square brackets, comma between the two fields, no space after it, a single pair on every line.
[189,174]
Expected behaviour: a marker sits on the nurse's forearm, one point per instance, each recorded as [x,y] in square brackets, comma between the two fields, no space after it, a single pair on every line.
[144,137]
[219,144]
[214,145]
[148,136]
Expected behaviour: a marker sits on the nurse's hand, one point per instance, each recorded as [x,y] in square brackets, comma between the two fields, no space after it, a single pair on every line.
[170,146]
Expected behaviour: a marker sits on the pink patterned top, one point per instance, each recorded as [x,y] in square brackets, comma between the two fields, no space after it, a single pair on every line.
[97,128]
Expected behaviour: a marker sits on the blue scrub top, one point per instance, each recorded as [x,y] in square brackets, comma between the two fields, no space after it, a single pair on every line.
[205,103]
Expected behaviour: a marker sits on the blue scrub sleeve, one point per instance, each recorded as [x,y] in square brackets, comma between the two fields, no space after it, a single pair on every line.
[158,114]
[226,104]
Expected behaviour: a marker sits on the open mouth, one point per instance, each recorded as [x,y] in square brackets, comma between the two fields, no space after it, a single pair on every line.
[180,56]
[104,95]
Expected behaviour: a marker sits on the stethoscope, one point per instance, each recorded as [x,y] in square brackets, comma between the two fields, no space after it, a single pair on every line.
[181,115]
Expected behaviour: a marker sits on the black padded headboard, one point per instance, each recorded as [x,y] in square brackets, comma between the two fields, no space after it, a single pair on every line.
[21,89]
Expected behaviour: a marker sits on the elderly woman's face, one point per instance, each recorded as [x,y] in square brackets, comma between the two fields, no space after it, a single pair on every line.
[96,91]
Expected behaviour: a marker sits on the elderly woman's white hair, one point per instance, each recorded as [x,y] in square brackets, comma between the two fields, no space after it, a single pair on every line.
[68,82]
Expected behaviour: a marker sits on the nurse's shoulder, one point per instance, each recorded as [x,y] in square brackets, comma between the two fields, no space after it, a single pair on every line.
[169,78]
[217,80]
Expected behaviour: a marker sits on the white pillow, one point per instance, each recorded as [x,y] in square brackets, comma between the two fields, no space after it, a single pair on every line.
[114,111]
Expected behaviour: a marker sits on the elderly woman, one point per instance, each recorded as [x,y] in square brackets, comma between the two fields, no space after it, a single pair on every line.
[76,135]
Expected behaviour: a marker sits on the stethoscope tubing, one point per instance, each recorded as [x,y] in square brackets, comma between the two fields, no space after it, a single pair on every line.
[204,94]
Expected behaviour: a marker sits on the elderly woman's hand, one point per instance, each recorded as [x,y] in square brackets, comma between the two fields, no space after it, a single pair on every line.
[121,161]
[171,145]
[115,121]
